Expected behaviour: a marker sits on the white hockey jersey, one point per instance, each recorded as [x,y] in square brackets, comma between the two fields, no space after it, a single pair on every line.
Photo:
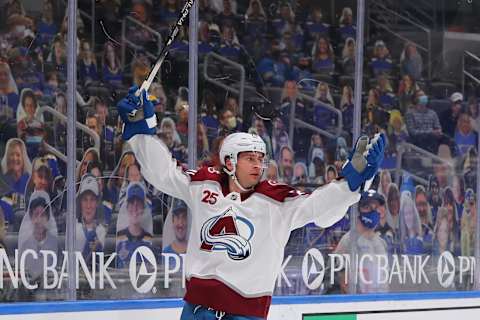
[237,241]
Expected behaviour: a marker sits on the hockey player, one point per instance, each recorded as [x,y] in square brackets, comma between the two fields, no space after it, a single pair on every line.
[240,224]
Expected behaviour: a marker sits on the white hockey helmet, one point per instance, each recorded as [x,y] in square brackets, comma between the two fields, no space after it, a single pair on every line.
[236,143]
[240,142]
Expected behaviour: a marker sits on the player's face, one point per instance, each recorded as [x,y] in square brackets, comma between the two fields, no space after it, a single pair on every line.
[88,205]
[249,168]
[180,225]
[135,209]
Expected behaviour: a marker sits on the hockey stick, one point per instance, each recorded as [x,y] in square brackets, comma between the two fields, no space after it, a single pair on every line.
[135,115]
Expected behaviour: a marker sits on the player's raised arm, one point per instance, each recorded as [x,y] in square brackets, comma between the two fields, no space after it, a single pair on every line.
[329,203]
[157,164]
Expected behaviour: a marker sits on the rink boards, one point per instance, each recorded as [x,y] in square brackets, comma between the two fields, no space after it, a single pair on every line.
[438,306]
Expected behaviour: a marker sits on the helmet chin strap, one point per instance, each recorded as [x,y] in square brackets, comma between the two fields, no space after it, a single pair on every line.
[233,175]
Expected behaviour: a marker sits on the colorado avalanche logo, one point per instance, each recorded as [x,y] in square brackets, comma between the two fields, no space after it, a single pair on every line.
[228,232]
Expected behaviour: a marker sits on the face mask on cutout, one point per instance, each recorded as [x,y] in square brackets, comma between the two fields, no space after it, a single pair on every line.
[20,29]
[33,139]
[231,123]
[33,144]
[423,100]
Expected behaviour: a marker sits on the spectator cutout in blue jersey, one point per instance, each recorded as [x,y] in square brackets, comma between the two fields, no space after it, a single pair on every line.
[381,62]
[410,226]
[348,57]
[465,137]
[47,27]
[176,229]
[393,213]
[323,58]
[90,229]
[468,224]
[16,166]
[346,27]
[315,26]
[134,225]
[425,214]
[41,178]
[255,24]
[30,123]
[383,229]
[8,96]
[87,66]
[411,61]
[114,184]
[444,239]
[111,69]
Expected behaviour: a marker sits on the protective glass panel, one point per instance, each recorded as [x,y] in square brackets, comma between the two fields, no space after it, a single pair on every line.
[125,226]
[427,226]
[284,70]
[32,148]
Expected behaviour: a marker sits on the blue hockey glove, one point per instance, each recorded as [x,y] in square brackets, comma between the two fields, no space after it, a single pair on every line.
[137,114]
[374,155]
[364,162]
[356,164]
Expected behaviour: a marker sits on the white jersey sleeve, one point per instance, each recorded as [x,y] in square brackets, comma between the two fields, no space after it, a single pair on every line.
[159,168]
[324,206]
